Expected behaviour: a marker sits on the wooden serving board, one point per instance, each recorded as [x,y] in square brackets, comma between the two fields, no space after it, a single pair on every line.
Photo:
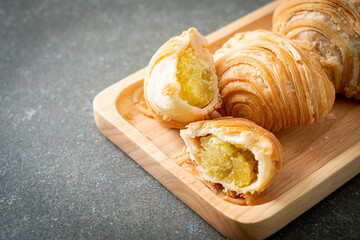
[319,158]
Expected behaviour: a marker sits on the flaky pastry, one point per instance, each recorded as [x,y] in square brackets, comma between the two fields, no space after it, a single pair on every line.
[181,84]
[269,80]
[330,29]
[241,156]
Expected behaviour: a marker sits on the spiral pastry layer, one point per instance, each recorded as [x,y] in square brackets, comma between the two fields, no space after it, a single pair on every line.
[269,80]
[330,29]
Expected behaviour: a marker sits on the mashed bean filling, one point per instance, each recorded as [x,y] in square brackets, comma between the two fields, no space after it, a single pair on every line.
[226,162]
[195,77]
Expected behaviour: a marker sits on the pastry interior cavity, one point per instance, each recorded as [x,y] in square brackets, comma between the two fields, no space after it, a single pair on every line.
[227,163]
[196,78]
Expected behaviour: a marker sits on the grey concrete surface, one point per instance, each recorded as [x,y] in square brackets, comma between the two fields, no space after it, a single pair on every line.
[60,178]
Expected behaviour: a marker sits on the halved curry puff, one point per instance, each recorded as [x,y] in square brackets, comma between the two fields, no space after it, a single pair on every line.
[241,156]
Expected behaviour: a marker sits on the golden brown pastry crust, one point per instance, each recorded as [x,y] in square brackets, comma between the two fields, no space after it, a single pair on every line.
[262,143]
[161,89]
[330,29]
[269,80]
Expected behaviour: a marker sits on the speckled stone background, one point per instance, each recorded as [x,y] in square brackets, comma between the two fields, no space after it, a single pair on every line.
[60,178]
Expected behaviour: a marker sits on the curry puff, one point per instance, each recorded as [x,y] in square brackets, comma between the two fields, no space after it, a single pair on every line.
[241,156]
[330,30]
[181,85]
[266,78]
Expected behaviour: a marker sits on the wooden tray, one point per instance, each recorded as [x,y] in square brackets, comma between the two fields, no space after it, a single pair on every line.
[319,158]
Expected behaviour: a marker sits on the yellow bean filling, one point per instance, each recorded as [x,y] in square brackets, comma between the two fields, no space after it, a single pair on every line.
[195,77]
[227,162]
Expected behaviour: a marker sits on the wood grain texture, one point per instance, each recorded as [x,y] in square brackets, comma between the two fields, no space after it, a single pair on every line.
[319,158]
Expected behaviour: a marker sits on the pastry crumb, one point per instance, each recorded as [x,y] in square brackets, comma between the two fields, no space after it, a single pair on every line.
[129,117]
[331,116]
[138,94]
